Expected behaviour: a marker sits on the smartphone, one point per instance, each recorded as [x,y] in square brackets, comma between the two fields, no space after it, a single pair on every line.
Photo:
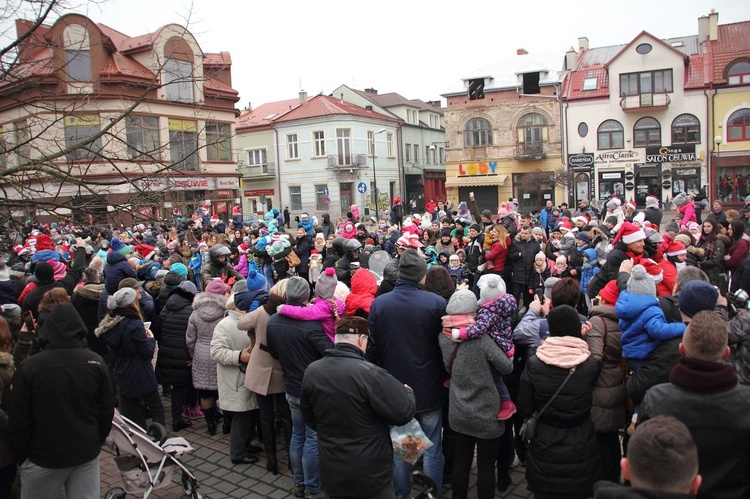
[723,284]
[147,325]
[28,320]
[540,294]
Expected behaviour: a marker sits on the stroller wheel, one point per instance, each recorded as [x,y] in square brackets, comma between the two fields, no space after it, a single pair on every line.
[115,493]
[188,485]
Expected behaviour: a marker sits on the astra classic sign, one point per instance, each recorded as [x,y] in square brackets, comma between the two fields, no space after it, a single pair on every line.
[581,159]
[670,154]
[626,156]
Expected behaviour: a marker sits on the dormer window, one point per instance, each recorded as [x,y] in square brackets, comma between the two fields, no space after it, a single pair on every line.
[77,54]
[476,89]
[589,84]
[739,73]
[531,83]
[178,73]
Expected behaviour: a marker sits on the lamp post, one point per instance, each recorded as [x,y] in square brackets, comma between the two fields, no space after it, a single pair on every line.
[718,140]
[375,178]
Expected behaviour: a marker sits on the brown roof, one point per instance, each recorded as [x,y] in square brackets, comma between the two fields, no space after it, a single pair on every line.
[733,42]
[392,99]
[265,114]
[323,105]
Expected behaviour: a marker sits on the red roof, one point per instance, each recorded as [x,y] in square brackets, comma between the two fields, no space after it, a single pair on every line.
[323,105]
[127,66]
[264,115]
[733,42]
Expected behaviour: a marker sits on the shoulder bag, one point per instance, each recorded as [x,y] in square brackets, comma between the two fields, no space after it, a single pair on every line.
[528,428]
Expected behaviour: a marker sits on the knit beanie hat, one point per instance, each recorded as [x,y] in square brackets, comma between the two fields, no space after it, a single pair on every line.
[610,292]
[487,214]
[563,320]
[475,227]
[672,226]
[438,280]
[680,199]
[116,245]
[613,203]
[697,296]
[411,266]
[684,239]
[178,268]
[123,298]
[549,283]
[256,281]
[325,286]
[44,272]
[297,289]
[188,287]
[652,202]
[216,287]
[490,287]
[640,283]
[462,301]
[445,233]
[239,286]
[611,219]
[59,269]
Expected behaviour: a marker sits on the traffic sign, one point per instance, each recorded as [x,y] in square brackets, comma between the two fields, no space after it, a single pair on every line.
[325,191]
[361,187]
[326,200]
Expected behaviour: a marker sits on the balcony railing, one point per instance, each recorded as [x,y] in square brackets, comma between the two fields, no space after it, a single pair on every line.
[258,171]
[641,101]
[336,161]
[530,150]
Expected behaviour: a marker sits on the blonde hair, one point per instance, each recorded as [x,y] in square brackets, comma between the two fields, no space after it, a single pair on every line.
[503,235]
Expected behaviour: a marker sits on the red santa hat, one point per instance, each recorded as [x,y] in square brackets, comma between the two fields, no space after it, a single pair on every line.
[630,204]
[243,247]
[654,270]
[676,248]
[629,233]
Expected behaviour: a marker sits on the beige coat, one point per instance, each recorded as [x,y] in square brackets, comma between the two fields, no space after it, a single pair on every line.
[226,346]
[264,375]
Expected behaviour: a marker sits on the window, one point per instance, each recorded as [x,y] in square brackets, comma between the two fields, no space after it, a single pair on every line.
[178,80]
[583,129]
[183,145]
[738,125]
[647,132]
[416,153]
[590,84]
[142,136]
[320,193]
[531,83]
[344,145]
[22,138]
[371,143]
[319,143]
[733,186]
[429,158]
[646,83]
[476,89]
[686,129]
[257,157]
[610,135]
[477,133]
[292,147]
[78,65]
[442,156]
[218,141]
[389,139]
[79,131]
[739,73]
[407,153]
[434,121]
[532,133]
[295,193]
[643,48]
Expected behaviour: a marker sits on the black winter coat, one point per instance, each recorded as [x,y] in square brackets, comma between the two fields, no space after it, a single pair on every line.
[474,252]
[521,257]
[564,454]
[31,301]
[351,404]
[654,215]
[86,302]
[173,364]
[117,269]
[655,371]
[302,249]
[609,270]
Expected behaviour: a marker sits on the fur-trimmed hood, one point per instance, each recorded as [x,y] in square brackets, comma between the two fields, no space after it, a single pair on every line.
[209,306]
[108,323]
[6,359]
[89,291]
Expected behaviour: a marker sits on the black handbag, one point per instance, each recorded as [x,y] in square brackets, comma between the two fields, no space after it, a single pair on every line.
[528,428]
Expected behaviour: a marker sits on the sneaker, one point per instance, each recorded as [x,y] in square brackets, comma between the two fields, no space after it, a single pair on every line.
[507,410]
[318,495]
[185,412]
[298,490]
[195,413]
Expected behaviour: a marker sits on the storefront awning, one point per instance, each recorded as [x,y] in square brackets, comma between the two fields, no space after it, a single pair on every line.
[475,180]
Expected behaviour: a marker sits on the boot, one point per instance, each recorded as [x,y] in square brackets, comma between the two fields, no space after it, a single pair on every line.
[269,446]
[286,428]
[210,415]
[226,427]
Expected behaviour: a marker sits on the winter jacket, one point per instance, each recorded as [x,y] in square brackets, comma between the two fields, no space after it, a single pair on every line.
[737,252]
[688,210]
[409,350]
[327,226]
[669,277]
[738,330]
[564,454]
[364,287]
[53,422]
[654,215]
[509,222]
[227,272]
[713,264]
[208,311]
[494,318]
[263,375]
[474,252]
[227,344]
[117,268]
[617,212]
[535,280]
[588,270]
[124,333]
[706,397]
[86,302]
[609,490]
[8,292]
[296,344]
[474,400]
[608,407]
[31,300]
[643,325]
[610,269]
[302,249]
[497,255]
[741,277]
[241,266]
[170,329]
[521,258]
[351,403]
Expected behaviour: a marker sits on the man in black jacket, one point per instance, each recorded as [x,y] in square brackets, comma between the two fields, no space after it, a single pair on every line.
[344,391]
[46,277]
[521,257]
[60,411]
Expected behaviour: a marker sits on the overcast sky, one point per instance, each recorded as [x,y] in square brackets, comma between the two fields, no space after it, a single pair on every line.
[416,48]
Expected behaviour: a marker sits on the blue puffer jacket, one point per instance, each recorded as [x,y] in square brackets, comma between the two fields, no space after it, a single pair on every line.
[643,325]
[45,256]
[588,270]
[117,269]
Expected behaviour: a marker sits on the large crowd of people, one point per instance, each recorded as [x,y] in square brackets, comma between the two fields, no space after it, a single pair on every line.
[610,334]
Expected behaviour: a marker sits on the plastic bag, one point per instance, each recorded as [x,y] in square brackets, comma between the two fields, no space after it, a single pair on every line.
[409,441]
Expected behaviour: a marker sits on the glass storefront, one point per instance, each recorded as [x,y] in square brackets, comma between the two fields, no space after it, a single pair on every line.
[733,184]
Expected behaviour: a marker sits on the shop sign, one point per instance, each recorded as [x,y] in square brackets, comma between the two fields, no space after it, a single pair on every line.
[626,156]
[227,183]
[616,175]
[670,154]
[581,159]
[221,207]
[224,194]
[190,184]
[684,172]
[257,192]
[478,168]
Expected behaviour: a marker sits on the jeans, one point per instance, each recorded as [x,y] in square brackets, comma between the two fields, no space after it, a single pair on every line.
[80,481]
[303,451]
[432,463]
[486,456]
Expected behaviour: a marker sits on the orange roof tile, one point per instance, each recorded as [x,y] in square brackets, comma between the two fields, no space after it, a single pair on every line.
[323,105]
[127,66]
[214,84]
[733,42]
[265,114]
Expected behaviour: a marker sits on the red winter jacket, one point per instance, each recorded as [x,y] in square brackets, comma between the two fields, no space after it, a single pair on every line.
[497,255]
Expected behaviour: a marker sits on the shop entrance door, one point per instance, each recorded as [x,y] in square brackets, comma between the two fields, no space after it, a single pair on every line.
[345,190]
[647,183]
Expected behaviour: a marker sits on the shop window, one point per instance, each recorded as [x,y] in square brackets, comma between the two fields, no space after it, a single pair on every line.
[320,194]
[79,135]
[183,145]
[646,132]
[686,129]
[733,184]
[295,194]
[218,137]
[178,80]
[532,190]
[738,125]
[142,136]
[292,146]
[611,183]
[739,72]
[477,133]
[610,135]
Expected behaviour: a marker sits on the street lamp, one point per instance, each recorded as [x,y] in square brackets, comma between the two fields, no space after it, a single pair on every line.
[718,140]
[374,177]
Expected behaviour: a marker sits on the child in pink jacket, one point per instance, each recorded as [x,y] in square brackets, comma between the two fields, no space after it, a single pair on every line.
[325,308]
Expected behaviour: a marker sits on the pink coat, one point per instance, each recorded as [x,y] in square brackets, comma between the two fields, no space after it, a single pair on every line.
[688,210]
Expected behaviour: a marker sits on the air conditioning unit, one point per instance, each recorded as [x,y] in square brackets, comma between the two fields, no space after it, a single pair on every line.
[332,162]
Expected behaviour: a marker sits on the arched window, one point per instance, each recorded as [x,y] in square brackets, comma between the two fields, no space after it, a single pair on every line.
[178,70]
[533,131]
[610,135]
[77,53]
[739,73]
[738,125]
[646,132]
[477,133]
[686,129]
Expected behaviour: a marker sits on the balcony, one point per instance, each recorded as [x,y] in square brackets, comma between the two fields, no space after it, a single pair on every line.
[258,171]
[645,101]
[530,150]
[348,161]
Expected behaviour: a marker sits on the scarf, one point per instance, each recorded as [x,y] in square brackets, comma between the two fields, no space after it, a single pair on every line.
[540,267]
[563,351]
[457,321]
[703,377]
[320,247]
[710,247]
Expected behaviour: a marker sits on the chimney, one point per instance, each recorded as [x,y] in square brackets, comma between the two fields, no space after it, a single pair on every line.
[249,106]
[713,28]
[702,29]
[521,52]
[302,97]
[371,91]
[434,103]
[583,43]
[571,60]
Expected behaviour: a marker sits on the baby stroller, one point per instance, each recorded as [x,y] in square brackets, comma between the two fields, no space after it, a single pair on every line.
[146,460]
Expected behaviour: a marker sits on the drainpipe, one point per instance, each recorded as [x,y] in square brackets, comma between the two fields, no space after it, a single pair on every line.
[278,162]
[401,170]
